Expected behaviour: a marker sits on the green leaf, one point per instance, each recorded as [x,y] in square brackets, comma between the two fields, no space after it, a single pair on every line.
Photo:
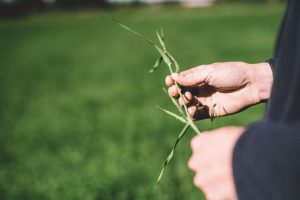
[133,31]
[160,51]
[162,43]
[156,65]
[162,35]
[173,115]
[174,61]
[161,40]
[170,156]
[163,55]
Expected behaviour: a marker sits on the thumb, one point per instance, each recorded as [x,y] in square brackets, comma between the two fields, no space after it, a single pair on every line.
[193,76]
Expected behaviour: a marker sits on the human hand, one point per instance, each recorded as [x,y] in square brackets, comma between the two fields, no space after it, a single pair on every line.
[226,88]
[212,162]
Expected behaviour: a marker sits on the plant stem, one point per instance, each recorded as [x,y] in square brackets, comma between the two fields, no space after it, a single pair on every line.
[189,120]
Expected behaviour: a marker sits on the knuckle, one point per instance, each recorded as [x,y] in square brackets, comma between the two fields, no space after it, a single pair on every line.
[192,75]
[199,182]
[195,142]
[211,68]
[191,164]
[170,90]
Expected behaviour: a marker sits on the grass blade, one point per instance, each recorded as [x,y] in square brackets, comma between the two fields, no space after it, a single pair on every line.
[162,34]
[133,31]
[156,65]
[173,115]
[170,156]
[174,61]
[169,60]
[160,51]
[174,102]
[161,41]
[163,55]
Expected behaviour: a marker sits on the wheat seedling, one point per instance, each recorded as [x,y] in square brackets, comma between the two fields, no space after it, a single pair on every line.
[173,66]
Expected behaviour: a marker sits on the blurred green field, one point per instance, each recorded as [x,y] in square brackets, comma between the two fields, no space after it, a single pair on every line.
[78,108]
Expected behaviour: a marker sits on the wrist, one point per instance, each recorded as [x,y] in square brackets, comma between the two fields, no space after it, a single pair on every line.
[262,80]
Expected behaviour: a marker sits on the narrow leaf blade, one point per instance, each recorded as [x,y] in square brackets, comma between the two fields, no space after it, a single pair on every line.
[156,65]
[170,156]
[134,32]
[162,43]
[174,61]
[173,115]
[160,51]
[163,55]
[162,34]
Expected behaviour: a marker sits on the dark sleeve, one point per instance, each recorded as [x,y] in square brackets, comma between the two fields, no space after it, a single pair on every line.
[266,162]
[272,62]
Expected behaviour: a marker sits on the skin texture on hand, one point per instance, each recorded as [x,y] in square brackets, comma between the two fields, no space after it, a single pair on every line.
[212,162]
[227,87]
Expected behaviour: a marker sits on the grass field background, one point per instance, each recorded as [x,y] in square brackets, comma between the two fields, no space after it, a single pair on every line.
[78,117]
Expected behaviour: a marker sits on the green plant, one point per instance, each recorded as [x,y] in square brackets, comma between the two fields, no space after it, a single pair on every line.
[173,66]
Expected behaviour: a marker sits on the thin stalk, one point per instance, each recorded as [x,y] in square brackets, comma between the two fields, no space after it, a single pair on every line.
[169,64]
[182,119]
[174,102]
[169,60]
[174,61]
[189,120]
[193,126]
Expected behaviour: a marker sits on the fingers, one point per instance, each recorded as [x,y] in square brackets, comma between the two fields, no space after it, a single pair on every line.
[198,113]
[173,91]
[196,109]
[188,95]
[187,99]
[191,77]
[199,181]
[194,76]
[169,81]
[192,110]
[192,103]
[196,143]
[211,161]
